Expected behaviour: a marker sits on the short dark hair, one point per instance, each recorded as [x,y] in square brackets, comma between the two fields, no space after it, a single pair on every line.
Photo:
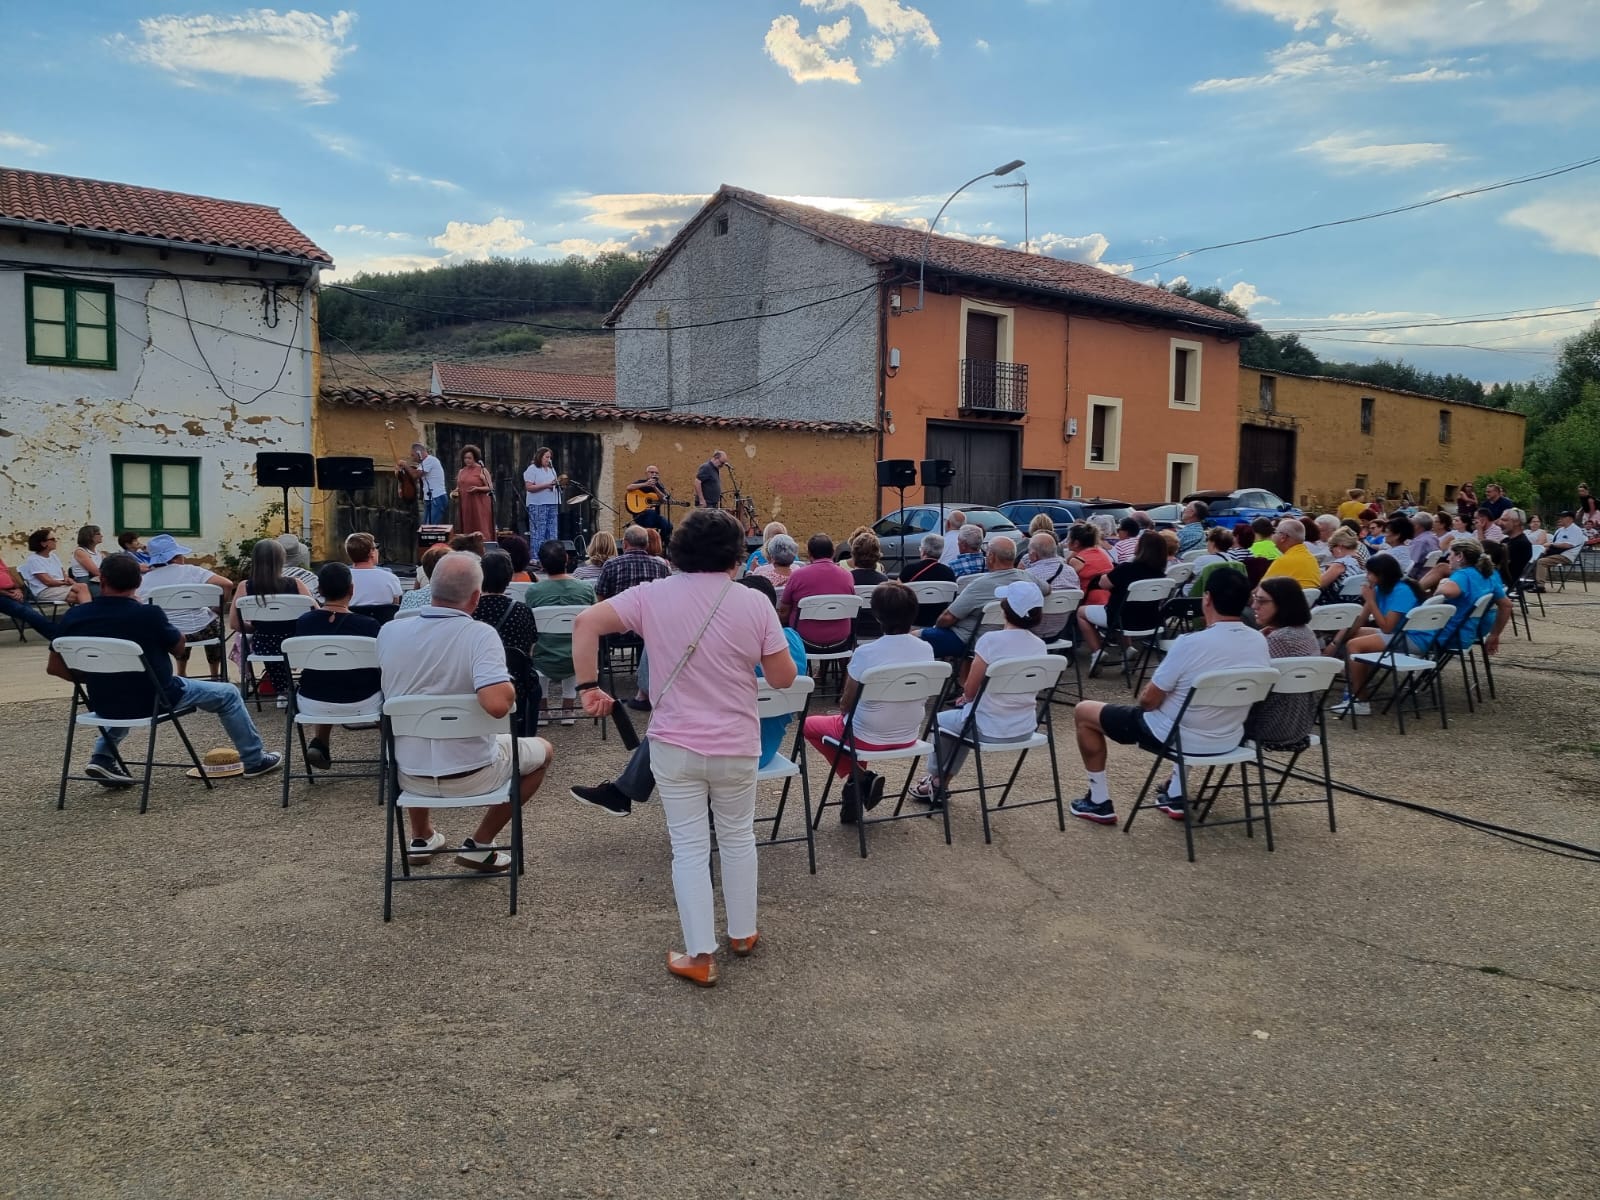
[38,540]
[120,571]
[497,570]
[1202,510]
[516,545]
[760,583]
[895,606]
[1221,537]
[1129,525]
[1244,535]
[1386,569]
[1151,550]
[1081,533]
[552,558]
[1401,524]
[709,539]
[819,547]
[127,538]
[1262,527]
[1229,592]
[334,581]
[1288,599]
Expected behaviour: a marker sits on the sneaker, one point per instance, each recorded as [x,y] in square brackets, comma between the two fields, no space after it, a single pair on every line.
[875,786]
[849,804]
[421,850]
[1100,814]
[268,764]
[1351,705]
[482,858]
[607,797]
[1095,660]
[317,754]
[1173,808]
[109,774]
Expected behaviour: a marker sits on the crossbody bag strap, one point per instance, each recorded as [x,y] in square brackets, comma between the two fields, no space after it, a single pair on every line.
[694,643]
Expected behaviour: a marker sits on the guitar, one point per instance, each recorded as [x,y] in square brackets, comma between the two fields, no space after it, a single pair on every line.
[642,497]
[408,480]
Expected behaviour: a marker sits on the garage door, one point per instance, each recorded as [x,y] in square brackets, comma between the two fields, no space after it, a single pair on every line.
[1266,459]
[985,459]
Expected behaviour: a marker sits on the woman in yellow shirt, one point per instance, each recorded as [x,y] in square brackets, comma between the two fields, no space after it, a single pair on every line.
[1355,504]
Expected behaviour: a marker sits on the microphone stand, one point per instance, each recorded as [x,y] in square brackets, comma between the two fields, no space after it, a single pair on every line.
[746,518]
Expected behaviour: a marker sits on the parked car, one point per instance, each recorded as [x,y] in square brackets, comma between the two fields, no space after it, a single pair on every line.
[900,533]
[1245,504]
[1064,512]
[1163,515]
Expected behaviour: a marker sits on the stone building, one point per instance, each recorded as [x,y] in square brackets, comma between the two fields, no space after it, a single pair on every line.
[150,344]
[1310,437]
[1036,376]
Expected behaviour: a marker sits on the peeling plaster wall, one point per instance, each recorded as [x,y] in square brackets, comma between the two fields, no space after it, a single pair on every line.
[60,426]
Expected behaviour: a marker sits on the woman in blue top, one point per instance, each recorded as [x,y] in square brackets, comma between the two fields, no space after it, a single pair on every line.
[1385,600]
[1464,578]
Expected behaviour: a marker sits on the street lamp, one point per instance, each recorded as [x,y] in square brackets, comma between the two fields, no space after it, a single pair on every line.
[927,241]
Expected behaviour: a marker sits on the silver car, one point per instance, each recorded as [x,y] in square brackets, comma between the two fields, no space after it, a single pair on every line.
[900,533]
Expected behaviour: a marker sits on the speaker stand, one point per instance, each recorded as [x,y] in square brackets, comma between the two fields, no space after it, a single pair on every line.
[286,510]
[902,492]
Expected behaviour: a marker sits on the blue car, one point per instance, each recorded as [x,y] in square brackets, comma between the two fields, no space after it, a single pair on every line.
[1063,512]
[1245,504]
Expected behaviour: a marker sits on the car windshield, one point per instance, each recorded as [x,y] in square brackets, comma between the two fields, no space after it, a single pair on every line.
[987,520]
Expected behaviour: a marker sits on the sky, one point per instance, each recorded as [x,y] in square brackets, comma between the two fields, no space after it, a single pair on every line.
[401,134]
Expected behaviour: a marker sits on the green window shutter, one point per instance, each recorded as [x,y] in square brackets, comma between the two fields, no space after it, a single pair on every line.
[156,495]
[70,324]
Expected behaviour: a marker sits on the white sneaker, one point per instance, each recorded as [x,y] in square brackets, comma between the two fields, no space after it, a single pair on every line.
[421,851]
[1349,705]
[482,858]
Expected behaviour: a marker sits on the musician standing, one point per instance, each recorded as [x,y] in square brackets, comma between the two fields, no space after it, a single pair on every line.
[429,474]
[544,499]
[653,517]
[708,481]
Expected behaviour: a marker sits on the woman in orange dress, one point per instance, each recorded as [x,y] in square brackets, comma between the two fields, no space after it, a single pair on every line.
[477,501]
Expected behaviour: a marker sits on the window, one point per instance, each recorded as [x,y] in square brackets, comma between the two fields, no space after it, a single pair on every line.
[1367,405]
[1444,426]
[720,226]
[156,495]
[1269,393]
[1392,492]
[1183,387]
[1104,447]
[1183,471]
[1361,482]
[1449,493]
[70,324]
[1422,492]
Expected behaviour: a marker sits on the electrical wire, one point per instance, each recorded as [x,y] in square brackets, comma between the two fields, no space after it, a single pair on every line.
[783,291]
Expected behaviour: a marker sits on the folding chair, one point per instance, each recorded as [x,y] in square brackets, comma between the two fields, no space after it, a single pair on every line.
[1214,689]
[556,620]
[1065,643]
[530,692]
[1561,567]
[1007,677]
[864,594]
[905,681]
[283,609]
[1313,596]
[1311,675]
[1141,643]
[1352,586]
[115,656]
[381,613]
[327,653]
[933,591]
[1181,574]
[1467,637]
[1518,591]
[442,718]
[178,597]
[1411,672]
[519,591]
[829,608]
[1329,620]
[776,702]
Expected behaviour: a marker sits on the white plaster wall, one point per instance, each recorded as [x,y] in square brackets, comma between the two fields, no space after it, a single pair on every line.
[59,426]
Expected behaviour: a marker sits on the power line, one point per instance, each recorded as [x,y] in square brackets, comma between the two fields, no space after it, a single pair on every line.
[1322,337]
[1443,322]
[783,291]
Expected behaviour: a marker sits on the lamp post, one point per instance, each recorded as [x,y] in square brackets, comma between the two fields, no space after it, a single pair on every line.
[927,241]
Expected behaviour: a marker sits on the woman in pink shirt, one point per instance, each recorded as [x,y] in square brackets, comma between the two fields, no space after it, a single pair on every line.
[705,638]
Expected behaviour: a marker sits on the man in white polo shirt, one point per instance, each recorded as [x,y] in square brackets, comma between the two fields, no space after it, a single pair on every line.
[1566,544]
[444,652]
[369,583]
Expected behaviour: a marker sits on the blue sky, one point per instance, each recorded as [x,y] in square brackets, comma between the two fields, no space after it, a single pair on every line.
[402,134]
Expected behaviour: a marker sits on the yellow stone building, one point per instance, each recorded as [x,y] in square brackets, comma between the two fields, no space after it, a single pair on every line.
[1311,437]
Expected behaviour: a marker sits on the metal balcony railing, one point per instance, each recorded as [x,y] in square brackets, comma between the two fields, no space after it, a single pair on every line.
[994,389]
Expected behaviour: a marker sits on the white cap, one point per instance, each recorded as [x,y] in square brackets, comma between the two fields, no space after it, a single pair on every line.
[1023,595]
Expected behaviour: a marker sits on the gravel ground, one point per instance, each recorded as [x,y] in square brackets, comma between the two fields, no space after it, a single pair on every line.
[203,1001]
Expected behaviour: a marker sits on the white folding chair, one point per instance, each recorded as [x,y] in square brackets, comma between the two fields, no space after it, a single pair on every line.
[1329,620]
[1065,603]
[1188,556]
[1473,634]
[519,591]
[1313,596]
[1312,675]
[1561,566]
[1007,677]
[829,608]
[115,656]
[327,653]
[284,608]
[179,597]
[556,620]
[794,700]
[1411,672]
[903,681]
[1141,643]
[1432,560]
[1181,573]
[934,591]
[1352,586]
[443,718]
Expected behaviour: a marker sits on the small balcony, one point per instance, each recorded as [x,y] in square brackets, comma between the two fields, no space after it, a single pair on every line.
[998,390]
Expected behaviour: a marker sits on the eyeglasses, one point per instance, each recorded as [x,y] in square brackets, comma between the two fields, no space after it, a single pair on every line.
[1260,598]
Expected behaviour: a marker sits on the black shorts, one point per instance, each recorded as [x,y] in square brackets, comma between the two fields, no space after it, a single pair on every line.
[1124,724]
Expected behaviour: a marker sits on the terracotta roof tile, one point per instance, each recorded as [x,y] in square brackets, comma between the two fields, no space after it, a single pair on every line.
[506,383]
[364,397]
[899,246]
[120,208]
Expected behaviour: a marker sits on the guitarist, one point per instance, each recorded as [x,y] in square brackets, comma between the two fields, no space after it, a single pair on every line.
[653,517]
[428,471]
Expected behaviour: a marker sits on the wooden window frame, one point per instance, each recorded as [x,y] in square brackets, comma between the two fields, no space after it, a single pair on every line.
[70,289]
[1113,461]
[1192,378]
[1173,460]
[1005,341]
[1445,430]
[1368,415]
[158,511]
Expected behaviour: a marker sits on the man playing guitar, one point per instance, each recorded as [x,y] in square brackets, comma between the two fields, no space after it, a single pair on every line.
[651,517]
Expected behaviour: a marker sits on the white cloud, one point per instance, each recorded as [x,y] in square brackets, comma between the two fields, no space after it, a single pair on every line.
[1439,74]
[401,175]
[1570,224]
[981,45]
[887,17]
[297,48]
[364,231]
[22,145]
[380,264]
[1247,296]
[463,239]
[1090,249]
[810,59]
[1295,63]
[1352,150]
[1563,27]
[336,143]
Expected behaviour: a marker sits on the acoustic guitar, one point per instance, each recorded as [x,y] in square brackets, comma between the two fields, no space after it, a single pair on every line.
[408,480]
[642,497]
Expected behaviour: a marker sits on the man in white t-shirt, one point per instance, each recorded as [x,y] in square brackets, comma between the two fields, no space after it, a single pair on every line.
[169,567]
[370,583]
[874,724]
[428,471]
[953,522]
[1226,644]
[1566,544]
[444,652]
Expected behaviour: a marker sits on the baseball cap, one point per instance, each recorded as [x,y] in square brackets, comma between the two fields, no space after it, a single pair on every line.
[163,548]
[1022,594]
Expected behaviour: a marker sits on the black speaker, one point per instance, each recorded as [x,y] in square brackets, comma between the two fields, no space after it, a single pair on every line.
[938,472]
[897,473]
[342,474]
[280,470]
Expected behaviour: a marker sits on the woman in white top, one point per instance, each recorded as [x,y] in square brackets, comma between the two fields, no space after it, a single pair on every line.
[86,557]
[1000,718]
[1345,562]
[874,724]
[1537,533]
[544,499]
[42,574]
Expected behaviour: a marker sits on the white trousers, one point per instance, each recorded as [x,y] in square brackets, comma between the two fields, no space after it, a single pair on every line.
[688,782]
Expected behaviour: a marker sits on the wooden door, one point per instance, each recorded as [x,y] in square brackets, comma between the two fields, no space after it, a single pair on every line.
[1266,459]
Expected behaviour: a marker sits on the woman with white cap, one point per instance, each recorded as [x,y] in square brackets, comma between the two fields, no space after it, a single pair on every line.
[1000,718]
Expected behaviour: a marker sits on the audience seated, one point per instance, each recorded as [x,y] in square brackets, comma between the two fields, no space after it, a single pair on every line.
[1282,614]
[1263,546]
[761,555]
[1294,561]
[170,567]
[953,522]
[11,603]
[420,596]
[1566,545]
[782,552]
[334,694]
[1346,561]
[1463,579]
[1051,573]
[1127,541]
[1397,534]
[1218,556]
[969,558]
[1324,527]
[819,577]
[1041,523]
[1519,550]
[1149,562]
[1387,598]
[85,565]
[635,565]
[1089,559]
[1192,530]
[511,619]
[1225,644]
[44,576]
[928,569]
[469,543]
[1485,528]
[267,578]
[1244,540]
[517,547]
[372,584]
[952,633]
[865,555]
[297,563]
[1423,543]
[602,549]
[552,653]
